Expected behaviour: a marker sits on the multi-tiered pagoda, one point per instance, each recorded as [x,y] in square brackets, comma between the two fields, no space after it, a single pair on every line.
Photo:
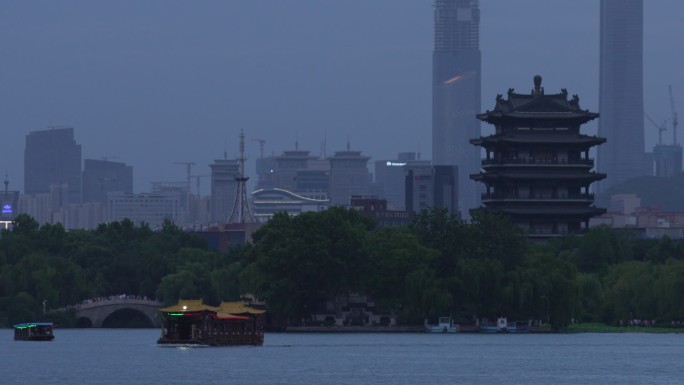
[537,168]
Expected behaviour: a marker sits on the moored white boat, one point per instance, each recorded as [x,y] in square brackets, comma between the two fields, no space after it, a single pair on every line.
[502,326]
[444,325]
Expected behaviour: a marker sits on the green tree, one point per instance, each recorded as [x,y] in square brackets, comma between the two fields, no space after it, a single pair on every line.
[305,260]
[629,291]
[591,298]
[395,254]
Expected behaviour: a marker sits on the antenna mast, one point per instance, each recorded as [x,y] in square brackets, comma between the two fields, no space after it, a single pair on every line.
[241,212]
[324,145]
[675,120]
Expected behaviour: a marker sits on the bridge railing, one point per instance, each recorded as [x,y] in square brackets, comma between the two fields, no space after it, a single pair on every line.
[110,300]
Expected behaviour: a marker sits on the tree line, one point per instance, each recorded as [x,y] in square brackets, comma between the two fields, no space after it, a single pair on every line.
[437,266]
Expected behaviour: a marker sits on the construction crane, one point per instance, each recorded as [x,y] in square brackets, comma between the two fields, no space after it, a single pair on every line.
[261,146]
[660,128]
[189,169]
[675,120]
[197,178]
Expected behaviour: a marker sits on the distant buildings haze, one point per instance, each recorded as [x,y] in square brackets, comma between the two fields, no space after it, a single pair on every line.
[103,176]
[52,157]
[55,183]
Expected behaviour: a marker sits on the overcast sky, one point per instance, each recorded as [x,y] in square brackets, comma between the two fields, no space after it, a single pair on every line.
[161,81]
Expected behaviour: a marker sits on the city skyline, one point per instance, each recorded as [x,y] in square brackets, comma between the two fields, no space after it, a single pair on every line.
[163,82]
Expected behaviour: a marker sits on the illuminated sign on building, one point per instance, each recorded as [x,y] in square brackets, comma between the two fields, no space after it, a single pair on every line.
[395,164]
[7,209]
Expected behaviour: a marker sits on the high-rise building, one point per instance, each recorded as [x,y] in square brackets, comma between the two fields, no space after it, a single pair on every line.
[390,180]
[223,188]
[52,157]
[102,176]
[428,186]
[456,80]
[668,159]
[265,170]
[621,93]
[348,176]
[287,166]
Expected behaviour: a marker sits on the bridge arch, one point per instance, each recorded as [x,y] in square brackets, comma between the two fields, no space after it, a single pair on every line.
[98,311]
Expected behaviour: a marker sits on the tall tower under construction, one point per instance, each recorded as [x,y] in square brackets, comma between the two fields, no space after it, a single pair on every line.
[456,83]
[621,93]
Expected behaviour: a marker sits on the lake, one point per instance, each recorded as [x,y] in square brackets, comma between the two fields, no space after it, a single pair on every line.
[131,356]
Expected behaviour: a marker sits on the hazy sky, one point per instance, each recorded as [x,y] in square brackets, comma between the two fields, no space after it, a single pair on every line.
[161,81]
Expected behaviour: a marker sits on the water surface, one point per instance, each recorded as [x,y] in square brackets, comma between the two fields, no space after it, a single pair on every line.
[131,356]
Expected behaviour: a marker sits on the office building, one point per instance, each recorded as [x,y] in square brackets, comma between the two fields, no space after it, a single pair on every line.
[52,157]
[223,189]
[348,176]
[621,93]
[390,180]
[265,170]
[102,176]
[456,92]
[668,159]
[377,209]
[152,209]
[428,186]
[287,166]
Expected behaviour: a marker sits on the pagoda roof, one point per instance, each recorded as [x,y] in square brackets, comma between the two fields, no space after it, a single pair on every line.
[537,105]
[549,210]
[566,175]
[188,305]
[237,308]
[539,138]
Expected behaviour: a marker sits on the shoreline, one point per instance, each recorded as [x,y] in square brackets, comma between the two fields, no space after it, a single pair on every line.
[472,329]
[394,329]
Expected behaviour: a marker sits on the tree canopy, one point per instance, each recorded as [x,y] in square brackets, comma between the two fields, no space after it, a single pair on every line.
[437,266]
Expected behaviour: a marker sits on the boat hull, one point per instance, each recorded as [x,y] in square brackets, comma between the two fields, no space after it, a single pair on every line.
[35,338]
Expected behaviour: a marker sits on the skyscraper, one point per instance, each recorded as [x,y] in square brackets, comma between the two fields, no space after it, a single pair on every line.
[348,176]
[102,176]
[621,93]
[456,81]
[223,188]
[52,157]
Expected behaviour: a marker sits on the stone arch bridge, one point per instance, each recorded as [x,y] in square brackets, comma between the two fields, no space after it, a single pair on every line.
[98,311]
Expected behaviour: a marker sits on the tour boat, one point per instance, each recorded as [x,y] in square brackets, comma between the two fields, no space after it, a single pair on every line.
[191,322]
[34,331]
[444,325]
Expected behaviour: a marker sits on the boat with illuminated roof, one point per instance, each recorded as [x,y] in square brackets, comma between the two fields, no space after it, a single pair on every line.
[191,322]
[34,331]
